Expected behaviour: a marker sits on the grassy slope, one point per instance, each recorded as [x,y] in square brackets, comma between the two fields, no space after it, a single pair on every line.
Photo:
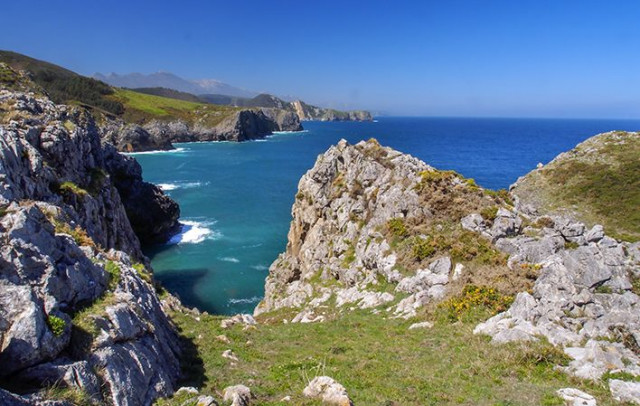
[596,182]
[170,93]
[141,108]
[63,85]
[378,360]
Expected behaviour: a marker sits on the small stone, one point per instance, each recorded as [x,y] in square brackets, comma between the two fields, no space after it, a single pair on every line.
[457,272]
[238,395]
[223,338]
[575,397]
[230,355]
[624,391]
[206,401]
[595,234]
[424,324]
[286,399]
[187,389]
[327,389]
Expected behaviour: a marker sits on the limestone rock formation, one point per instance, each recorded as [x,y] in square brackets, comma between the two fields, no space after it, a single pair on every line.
[77,305]
[348,228]
[585,298]
[242,125]
[308,112]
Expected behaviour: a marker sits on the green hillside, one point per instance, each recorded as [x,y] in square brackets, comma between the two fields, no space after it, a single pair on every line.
[597,182]
[141,108]
[63,85]
[67,87]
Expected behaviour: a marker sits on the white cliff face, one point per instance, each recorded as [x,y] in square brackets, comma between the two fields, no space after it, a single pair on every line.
[77,306]
[339,249]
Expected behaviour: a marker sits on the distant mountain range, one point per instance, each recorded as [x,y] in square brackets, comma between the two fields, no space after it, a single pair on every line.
[170,81]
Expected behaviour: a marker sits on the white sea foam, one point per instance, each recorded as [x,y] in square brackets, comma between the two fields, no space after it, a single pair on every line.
[229,259]
[291,132]
[260,267]
[195,232]
[167,186]
[171,151]
[254,299]
[181,185]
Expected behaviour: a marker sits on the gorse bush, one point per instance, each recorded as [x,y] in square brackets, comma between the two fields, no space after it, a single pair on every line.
[474,297]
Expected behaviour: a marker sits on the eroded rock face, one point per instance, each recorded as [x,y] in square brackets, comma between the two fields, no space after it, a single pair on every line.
[54,154]
[337,247]
[242,125]
[74,308]
[583,299]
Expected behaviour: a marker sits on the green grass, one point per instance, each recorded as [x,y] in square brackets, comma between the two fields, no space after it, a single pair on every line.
[113,270]
[71,187]
[141,108]
[78,234]
[598,183]
[63,85]
[379,361]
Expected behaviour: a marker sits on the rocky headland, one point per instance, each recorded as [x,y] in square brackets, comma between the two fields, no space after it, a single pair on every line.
[376,229]
[241,125]
[80,319]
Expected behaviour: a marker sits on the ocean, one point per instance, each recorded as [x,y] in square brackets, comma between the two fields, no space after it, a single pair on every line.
[236,198]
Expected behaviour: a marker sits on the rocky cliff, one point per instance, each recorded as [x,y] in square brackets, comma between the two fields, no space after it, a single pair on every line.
[78,309]
[242,125]
[308,112]
[376,229]
[372,226]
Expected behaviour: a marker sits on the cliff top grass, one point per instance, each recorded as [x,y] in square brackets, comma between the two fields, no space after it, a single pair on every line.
[378,360]
[141,108]
[598,182]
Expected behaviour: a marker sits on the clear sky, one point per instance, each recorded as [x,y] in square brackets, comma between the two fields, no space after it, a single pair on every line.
[541,58]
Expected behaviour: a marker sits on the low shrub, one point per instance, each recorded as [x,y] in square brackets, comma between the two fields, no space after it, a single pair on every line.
[56,324]
[474,297]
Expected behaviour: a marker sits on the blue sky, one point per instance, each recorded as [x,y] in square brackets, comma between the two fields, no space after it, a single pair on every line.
[433,58]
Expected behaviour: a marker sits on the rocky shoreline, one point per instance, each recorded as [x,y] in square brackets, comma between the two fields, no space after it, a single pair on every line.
[243,125]
[78,305]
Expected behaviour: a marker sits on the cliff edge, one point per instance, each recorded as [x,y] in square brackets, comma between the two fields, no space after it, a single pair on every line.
[78,308]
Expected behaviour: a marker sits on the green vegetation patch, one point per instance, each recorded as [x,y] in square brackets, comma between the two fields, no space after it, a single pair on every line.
[142,108]
[598,183]
[78,234]
[56,324]
[114,272]
[473,299]
[378,360]
[70,187]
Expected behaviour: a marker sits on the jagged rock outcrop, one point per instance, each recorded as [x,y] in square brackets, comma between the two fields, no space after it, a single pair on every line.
[343,243]
[362,210]
[241,125]
[133,137]
[308,112]
[588,184]
[77,305]
[585,298]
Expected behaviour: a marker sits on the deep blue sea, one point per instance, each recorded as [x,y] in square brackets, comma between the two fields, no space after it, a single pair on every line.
[236,197]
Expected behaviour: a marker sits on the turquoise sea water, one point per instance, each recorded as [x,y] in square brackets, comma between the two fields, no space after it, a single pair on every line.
[236,198]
